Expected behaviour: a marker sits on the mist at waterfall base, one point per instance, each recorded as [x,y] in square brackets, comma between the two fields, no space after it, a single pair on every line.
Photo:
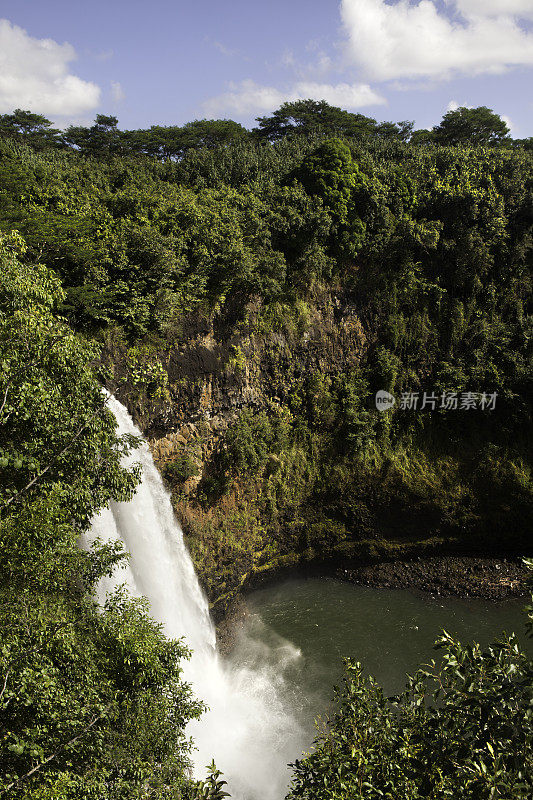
[249,729]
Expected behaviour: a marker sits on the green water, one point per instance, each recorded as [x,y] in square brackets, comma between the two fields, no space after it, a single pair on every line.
[303,629]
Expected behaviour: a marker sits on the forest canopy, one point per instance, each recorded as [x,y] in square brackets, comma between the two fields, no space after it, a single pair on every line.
[468,126]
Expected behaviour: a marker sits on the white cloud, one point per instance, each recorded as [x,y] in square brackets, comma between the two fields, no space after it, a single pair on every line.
[318,68]
[34,75]
[288,59]
[103,55]
[117,92]
[510,124]
[346,95]
[249,97]
[415,40]
[453,105]
[492,8]
[245,97]
[322,62]
[226,51]
[315,69]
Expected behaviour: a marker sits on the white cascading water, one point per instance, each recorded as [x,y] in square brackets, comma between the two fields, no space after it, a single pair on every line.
[249,728]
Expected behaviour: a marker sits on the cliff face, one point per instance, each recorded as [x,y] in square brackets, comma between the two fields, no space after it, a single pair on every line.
[215,369]
[218,366]
[261,421]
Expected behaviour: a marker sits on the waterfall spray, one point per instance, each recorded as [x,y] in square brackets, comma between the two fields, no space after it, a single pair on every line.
[249,729]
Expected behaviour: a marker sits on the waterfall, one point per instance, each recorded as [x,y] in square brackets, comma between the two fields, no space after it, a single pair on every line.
[249,728]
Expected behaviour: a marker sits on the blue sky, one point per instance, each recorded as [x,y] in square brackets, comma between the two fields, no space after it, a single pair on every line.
[168,62]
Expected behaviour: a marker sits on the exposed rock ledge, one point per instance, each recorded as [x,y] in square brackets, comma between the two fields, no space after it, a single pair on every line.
[461,576]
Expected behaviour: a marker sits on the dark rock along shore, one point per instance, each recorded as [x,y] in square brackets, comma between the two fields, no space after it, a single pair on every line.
[446,576]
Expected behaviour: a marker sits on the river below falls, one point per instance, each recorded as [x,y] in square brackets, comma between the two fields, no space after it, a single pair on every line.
[302,629]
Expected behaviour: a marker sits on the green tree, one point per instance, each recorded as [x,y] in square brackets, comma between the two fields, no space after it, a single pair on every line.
[55,430]
[331,173]
[401,131]
[475,126]
[211,133]
[33,129]
[422,136]
[101,139]
[92,702]
[310,117]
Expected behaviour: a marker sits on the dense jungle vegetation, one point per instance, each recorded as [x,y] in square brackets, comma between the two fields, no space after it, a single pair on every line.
[114,246]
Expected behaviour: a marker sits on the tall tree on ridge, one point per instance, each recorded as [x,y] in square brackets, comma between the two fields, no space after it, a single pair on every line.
[476,126]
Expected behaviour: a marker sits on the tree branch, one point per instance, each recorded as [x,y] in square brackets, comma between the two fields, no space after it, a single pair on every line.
[56,457]
[54,754]
[5,684]
[50,465]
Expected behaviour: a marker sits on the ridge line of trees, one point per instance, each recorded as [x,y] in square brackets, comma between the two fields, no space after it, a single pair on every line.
[463,126]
